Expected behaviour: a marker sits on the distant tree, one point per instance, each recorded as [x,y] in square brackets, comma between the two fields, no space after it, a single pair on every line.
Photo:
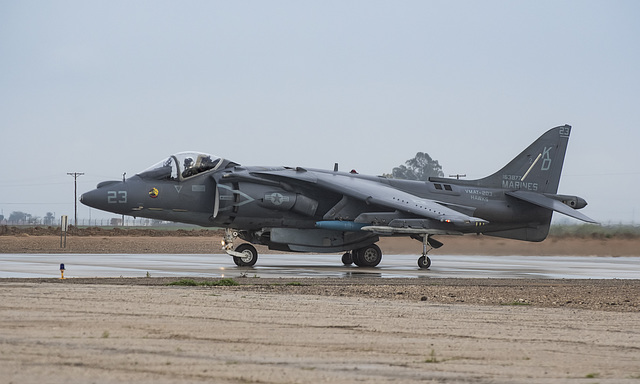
[33,219]
[17,217]
[49,219]
[421,167]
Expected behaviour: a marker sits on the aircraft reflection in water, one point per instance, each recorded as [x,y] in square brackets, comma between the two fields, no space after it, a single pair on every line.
[311,210]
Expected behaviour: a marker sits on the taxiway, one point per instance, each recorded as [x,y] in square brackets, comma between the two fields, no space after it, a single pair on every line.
[392,266]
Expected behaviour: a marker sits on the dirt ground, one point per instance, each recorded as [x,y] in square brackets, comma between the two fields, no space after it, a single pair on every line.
[210,243]
[114,333]
[319,330]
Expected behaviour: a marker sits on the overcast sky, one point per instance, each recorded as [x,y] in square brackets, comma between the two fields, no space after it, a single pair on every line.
[106,87]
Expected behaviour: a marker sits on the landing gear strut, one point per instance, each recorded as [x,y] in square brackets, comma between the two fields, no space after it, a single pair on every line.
[229,236]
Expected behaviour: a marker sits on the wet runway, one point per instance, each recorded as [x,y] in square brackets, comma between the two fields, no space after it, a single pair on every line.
[273,266]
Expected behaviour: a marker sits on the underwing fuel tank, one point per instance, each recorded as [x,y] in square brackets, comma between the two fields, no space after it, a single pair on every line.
[337,225]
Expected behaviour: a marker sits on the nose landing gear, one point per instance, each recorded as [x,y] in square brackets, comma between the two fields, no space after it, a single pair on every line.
[249,255]
[245,255]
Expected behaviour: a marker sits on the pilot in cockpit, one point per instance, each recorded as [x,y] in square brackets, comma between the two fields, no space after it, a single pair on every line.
[189,169]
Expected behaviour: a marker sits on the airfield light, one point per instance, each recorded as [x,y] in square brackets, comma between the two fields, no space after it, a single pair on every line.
[61,271]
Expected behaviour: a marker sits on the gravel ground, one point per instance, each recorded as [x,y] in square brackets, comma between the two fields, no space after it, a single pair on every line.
[94,332]
[603,295]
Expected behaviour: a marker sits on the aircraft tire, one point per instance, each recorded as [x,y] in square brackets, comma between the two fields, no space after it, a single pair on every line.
[250,258]
[424,262]
[347,258]
[369,256]
[355,258]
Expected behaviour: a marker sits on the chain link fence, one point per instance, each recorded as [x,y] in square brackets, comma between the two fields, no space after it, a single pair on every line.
[113,222]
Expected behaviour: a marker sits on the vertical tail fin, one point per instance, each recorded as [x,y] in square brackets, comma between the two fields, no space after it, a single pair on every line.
[532,177]
[536,169]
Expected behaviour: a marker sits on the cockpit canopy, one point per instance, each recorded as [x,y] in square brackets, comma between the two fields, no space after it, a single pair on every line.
[181,166]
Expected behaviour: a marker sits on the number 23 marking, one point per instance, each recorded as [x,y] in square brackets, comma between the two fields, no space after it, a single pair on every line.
[119,197]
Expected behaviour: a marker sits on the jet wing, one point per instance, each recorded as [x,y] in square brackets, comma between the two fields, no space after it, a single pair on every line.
[549,203]
[376,193]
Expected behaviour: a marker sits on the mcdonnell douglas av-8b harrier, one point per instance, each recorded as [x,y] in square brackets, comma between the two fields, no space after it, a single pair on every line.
[298,209]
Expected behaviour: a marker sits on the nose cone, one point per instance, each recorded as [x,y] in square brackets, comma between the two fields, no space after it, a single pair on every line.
[93,198]
[107,197]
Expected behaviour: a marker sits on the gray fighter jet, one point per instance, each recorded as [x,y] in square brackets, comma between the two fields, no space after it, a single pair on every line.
[299,209]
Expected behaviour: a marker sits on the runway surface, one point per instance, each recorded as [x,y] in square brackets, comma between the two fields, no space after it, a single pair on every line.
[274,266]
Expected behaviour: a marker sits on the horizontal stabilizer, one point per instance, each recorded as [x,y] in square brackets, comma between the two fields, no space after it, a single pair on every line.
[549,203]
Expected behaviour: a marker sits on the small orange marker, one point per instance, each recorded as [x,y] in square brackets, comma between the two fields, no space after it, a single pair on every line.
[61,271]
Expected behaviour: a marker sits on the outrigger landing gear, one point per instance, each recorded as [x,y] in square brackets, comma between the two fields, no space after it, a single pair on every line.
[424,261]
[245,255]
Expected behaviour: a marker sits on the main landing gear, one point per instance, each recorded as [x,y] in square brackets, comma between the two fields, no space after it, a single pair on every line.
[368,256]
[371,255]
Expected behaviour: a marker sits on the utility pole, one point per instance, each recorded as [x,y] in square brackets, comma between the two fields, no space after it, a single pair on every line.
[123,180]
[75,193]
